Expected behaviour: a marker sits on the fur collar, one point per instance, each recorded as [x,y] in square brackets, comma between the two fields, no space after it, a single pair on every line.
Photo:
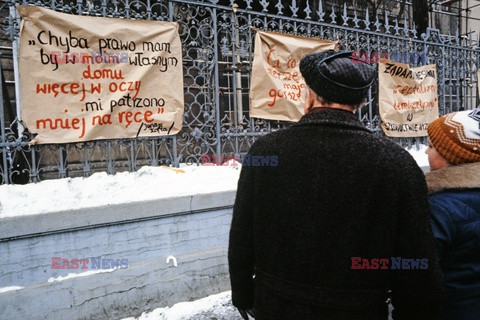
[465,176]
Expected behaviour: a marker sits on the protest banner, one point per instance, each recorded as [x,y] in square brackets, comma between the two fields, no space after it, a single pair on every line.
[408,98]
[276,82]
[87,78]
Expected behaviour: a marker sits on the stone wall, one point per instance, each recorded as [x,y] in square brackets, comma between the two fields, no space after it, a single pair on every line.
[193,229]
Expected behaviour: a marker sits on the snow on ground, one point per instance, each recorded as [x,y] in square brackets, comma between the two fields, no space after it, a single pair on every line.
[101,189]
[149,183]
[214,307]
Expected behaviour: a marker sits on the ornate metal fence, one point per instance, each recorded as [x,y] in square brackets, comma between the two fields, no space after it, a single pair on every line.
[217,56]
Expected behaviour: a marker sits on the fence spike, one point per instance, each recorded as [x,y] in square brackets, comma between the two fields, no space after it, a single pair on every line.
[279,7]
[377,23]
[387,25]
[345,14]
[405,26]
[367,20]
[333,16]
[396,27]
[294,8]
[249,2]
[355,18]
[264,4]
[320,11]
[308,11]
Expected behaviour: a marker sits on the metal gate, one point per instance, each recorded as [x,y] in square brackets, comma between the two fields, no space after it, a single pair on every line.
[217,43]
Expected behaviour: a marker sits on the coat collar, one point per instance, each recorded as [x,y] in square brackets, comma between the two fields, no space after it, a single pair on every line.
[465,176]
[335,117]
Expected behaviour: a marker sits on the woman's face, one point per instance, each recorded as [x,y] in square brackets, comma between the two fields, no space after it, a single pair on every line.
[435,160]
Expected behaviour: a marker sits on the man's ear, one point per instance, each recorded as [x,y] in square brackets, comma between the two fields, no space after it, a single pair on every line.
[309,100]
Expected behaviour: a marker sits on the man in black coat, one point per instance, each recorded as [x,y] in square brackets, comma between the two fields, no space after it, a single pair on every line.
[340,226]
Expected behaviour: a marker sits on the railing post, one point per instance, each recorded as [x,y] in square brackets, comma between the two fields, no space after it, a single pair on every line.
[2,130]
[176,160]
[217,83]
[16,70]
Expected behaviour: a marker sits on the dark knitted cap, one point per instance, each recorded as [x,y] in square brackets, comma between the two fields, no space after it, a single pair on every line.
[337,77]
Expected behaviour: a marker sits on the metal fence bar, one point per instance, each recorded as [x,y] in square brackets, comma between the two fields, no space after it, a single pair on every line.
[5,168]
[217,85]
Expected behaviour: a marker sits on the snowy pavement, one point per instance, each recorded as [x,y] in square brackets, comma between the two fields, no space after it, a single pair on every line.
[214,307]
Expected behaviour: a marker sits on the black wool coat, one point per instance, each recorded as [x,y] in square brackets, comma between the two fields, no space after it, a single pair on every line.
[338,192]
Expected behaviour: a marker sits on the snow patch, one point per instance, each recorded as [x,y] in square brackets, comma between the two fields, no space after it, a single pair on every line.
[81,274]
[420,156]
[101,189]
[12,288]
[217,304]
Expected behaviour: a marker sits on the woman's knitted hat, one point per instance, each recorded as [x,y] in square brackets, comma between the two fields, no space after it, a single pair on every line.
[456,136]
[337,76]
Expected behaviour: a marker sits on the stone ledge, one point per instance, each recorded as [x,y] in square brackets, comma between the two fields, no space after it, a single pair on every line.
[52,222]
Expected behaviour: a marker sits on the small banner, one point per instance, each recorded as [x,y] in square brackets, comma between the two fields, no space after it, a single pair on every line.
[87,78]
[408,98]
[276,82]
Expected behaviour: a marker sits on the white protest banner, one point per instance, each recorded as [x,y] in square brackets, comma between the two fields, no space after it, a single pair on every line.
[276,82]
[86,78]
[408,98]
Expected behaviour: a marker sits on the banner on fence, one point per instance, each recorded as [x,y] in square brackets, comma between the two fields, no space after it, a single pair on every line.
[87,78]
[408,98]
[276,82]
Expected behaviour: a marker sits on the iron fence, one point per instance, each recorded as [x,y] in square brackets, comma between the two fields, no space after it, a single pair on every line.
[217,43]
